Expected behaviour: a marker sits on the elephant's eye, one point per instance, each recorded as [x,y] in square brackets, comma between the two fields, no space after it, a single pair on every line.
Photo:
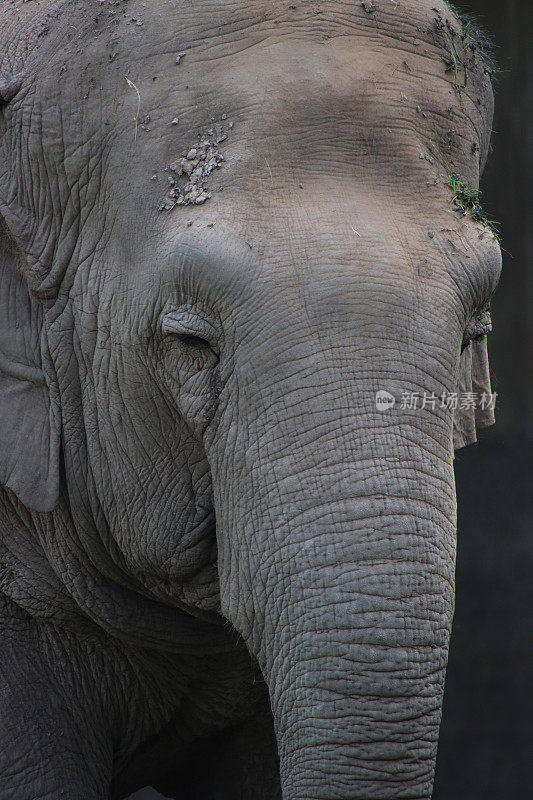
[479,326]
[190,340]
[191,329]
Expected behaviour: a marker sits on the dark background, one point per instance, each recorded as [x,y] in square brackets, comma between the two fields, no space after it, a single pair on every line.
[486,744]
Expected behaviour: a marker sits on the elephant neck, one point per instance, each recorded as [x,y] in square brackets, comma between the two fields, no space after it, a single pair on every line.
[26,575]
[62,574]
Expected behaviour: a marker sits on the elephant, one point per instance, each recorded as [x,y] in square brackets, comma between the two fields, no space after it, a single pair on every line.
[244,271]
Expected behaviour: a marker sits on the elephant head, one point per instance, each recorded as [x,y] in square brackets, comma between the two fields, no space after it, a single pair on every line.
[227,227]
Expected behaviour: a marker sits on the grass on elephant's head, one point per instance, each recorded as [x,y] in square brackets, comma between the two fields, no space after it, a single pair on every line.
[474,38]
[467,201]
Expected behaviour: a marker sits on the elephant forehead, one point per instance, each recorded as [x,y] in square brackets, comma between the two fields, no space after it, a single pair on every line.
[294,112]
[298,108]
[341,62]
[354,103]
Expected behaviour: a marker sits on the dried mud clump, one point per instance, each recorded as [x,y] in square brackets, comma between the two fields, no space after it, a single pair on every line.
[188,181]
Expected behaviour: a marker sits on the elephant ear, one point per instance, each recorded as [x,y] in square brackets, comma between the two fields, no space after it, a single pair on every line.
[474,382]
[29,407]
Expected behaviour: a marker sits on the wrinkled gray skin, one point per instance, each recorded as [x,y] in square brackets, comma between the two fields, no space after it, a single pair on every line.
[216,552]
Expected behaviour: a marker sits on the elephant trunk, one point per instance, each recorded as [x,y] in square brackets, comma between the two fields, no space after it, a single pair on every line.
[346,599]
[354,650]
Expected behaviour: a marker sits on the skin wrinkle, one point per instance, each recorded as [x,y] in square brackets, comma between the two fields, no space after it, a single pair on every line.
[95,562]
[160,477]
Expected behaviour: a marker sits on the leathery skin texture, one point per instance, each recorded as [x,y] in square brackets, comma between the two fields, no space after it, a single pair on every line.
[224,226]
